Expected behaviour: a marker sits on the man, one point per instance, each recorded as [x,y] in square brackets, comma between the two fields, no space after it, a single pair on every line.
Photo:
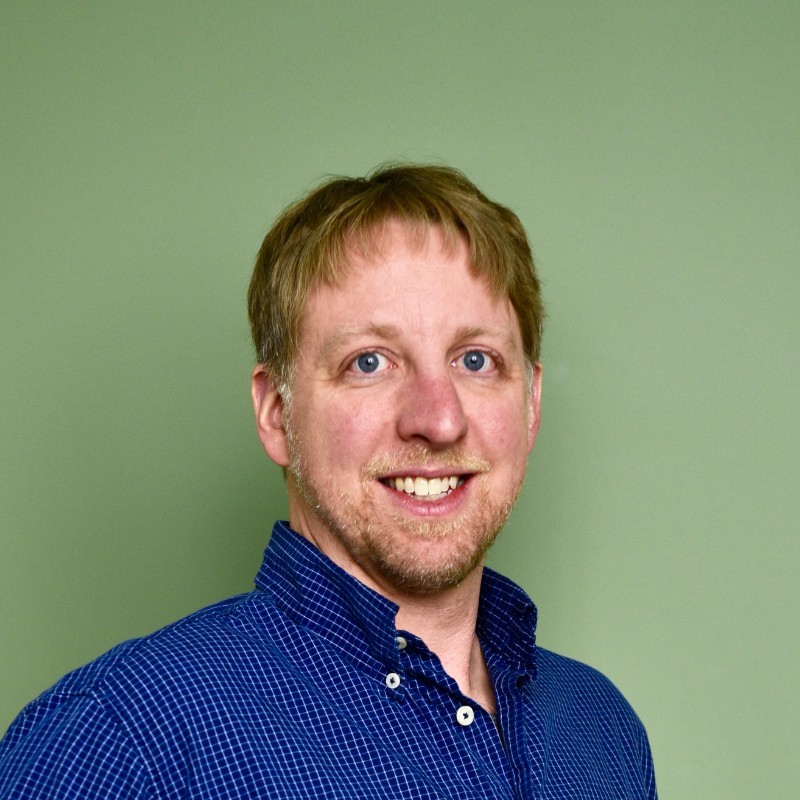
[397,323]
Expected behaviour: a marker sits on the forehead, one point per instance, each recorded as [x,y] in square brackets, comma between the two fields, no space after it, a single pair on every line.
[407,279]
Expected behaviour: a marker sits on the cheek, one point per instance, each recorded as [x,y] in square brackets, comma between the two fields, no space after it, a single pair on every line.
[351,431]
[504,428]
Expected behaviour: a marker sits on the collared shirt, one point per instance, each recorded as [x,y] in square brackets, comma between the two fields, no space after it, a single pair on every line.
[303,688]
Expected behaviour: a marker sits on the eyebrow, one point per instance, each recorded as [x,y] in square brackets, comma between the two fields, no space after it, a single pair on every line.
[479,331]
[373,329]
[348,332]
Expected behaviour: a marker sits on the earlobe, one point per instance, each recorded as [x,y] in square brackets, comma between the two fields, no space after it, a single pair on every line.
[534,404]
[269,411]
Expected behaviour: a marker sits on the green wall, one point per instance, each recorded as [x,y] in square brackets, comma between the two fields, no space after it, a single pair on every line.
[652,151]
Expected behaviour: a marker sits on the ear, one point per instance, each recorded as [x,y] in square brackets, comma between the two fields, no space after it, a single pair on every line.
[534,405]
[269,411]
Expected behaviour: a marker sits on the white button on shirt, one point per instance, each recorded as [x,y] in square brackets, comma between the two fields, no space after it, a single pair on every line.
[465,715]
[392,680]
[402,643]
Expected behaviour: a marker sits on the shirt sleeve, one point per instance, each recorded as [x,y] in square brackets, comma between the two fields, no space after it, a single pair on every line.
[648,771]
[69,747]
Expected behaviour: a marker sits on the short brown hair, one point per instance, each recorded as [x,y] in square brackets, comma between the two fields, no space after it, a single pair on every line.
[311,240]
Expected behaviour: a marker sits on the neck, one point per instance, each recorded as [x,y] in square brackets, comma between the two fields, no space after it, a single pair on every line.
[446,621]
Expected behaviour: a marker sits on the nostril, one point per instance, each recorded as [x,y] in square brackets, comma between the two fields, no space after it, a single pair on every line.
[433,412]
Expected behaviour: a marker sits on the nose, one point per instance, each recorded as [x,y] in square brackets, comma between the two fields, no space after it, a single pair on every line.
[430,410]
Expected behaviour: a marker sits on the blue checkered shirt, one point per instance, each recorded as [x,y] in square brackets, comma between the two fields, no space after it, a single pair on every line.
[303,688]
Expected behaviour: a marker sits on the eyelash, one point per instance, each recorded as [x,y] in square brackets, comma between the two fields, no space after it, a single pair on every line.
[351,366]
[492,359]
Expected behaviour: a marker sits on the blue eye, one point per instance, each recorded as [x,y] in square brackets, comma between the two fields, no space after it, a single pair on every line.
[475,361]
[368,362]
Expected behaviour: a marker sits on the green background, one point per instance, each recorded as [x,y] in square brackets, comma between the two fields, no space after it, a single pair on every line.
[652,151]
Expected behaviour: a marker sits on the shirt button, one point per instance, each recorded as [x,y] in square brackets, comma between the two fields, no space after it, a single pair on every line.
[402,642]
[464,716]
[393,680]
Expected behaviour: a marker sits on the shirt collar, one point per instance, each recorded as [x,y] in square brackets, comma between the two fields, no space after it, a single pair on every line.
[319,595]
[506,625]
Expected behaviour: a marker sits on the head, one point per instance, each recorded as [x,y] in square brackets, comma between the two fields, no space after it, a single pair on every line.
[312,240]
[397,322]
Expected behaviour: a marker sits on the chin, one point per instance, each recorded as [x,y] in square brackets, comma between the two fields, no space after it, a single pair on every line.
[427,557]
[425,575]
[396,550]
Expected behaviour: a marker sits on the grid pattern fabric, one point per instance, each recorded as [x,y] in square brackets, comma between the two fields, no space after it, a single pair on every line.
[304,689]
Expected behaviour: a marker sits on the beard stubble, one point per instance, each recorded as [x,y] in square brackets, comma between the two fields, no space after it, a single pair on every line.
[414,555]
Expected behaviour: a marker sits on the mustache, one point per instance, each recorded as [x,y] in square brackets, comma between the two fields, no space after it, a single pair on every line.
[420,457]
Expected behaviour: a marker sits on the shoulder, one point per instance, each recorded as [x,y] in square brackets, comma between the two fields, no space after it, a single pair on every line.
[65,746]
[579,686]
[582,704]
[181,648]
[590,725]
[565,671]
[116,707]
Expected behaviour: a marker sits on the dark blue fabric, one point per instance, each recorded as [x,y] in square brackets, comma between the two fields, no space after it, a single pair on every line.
[282,693]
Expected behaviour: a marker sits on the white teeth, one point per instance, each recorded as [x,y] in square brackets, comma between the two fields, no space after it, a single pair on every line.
[424,487]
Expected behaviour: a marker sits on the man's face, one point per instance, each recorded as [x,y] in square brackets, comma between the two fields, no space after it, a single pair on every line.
[411,418]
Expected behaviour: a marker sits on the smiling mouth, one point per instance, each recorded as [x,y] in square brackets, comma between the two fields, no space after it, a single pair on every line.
[427,488]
